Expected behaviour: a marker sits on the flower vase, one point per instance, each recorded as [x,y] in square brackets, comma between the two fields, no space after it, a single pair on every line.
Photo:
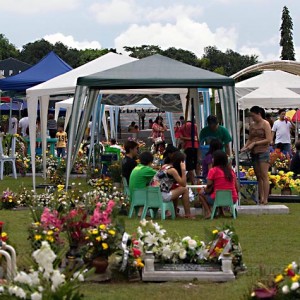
[100,264]
[286,191]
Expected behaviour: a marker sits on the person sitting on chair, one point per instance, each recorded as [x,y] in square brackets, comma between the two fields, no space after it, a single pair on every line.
[129,161]
[142,174]
[171,173]
[220,177]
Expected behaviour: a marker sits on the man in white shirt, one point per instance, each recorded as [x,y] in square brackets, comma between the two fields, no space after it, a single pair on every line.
[13,125]
[282,128]
[23,125]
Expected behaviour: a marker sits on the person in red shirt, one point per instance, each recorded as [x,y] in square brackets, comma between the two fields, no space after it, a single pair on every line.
[220,177]
[177,133]
[189,137]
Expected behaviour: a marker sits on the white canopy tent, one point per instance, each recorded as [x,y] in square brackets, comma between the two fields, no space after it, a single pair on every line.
[270,96]
[67,105]
[63,84]
[268,78]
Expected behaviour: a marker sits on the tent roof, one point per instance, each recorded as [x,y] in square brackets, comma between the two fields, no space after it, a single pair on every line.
[283,78]
[153,72]
[270,96]
[50,66]
[12,65]
[277,78]
[66,83]
[289,66]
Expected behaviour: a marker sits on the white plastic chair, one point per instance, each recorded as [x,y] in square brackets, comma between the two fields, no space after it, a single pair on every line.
[9,156]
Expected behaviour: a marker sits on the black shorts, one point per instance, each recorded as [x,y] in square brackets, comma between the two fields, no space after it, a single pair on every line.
[191,158]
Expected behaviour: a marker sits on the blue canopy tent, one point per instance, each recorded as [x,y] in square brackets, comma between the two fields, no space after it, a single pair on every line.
[49,67]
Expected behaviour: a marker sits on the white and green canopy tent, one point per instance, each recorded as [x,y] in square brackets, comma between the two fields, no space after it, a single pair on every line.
[150,76]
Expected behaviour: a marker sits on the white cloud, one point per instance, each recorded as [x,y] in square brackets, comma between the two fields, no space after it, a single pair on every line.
[69,40]
[115,11]
[172,13]
[186,34]
[37,6]
[246,50]
[131,11]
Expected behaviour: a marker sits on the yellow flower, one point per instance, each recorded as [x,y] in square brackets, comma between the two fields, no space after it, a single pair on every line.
[60,187]
[96,170]
[215,231]
[3,234]
[104,246]
[98,238]
[139,263]
[102,227]
[112,232]
[278,278]
[95,231]
[37,237]
[295,278]
[50,239]
[50,232]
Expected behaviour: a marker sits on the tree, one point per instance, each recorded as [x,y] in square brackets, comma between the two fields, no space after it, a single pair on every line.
[88,55]
[34,52]
[184,56]
[228,62]
[286,40]
[7,49]
[143,51]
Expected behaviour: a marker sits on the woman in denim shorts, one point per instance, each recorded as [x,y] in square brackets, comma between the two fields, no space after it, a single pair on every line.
[260,137]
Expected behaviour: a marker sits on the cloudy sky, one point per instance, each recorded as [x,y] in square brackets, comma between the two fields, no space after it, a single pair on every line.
[246,26]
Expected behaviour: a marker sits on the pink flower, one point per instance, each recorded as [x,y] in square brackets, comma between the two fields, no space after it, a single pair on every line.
[50,219]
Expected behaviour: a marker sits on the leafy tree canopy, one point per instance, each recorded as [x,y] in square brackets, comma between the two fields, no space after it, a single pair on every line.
[7,49]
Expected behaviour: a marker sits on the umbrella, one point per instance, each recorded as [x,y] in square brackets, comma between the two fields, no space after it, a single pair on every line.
[290,113]
[296,116]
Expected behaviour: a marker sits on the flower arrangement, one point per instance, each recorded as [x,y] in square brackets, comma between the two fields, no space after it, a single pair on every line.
[104,184]
[80,164]
[56,170]
[3,235]
[250,174]
[74,224]
[94,172]
[282,180]
[48,229]
[8,200]
[279,160]
[285,285]
[115,171]
[46,282]
[152,237]
[102,241]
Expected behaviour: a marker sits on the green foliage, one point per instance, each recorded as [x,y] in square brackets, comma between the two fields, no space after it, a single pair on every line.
[7,49]
[225,63]
[143,51]
[32,53]
[286,36]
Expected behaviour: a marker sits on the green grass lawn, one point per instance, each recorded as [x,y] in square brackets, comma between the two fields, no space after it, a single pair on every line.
[269,241]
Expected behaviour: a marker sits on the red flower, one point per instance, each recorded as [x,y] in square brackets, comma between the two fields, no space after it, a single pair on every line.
[290,273]
[136,252]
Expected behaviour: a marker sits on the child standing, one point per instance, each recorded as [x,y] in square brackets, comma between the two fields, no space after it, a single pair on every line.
[61,144]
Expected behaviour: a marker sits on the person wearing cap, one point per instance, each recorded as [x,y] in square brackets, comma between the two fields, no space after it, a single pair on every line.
[214,130]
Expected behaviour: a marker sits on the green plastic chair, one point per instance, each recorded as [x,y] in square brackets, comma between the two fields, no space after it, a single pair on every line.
[112,150]
[137,199]
[224,199]
[125,187]
[154,201]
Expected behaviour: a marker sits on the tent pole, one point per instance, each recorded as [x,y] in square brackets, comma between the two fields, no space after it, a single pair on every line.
[244,128]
